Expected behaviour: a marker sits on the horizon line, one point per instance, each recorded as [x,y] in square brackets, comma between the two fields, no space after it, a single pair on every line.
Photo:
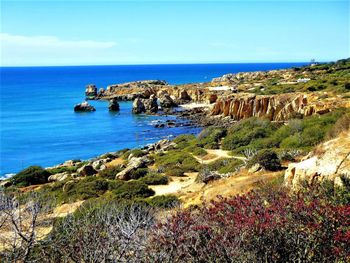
[165,64]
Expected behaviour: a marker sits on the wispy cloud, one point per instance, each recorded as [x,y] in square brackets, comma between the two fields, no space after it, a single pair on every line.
[23,50]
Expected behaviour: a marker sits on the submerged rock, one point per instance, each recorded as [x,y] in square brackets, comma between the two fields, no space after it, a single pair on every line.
[84,107]
[113,105]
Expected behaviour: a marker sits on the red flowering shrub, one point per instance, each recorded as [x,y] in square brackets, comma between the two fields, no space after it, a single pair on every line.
[273,227]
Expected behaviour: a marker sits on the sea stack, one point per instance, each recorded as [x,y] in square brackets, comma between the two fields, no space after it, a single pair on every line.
[113,105]
[90,91]
[84,107]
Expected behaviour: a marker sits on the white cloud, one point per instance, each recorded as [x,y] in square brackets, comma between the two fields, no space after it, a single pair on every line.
[49,50]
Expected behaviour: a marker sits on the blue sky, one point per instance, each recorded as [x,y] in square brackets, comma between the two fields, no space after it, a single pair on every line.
[81,32]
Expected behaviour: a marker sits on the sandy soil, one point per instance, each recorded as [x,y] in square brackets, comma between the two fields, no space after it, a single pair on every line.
[214,155]
[194,105]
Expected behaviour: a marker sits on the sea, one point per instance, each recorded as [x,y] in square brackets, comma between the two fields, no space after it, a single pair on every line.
[39,127]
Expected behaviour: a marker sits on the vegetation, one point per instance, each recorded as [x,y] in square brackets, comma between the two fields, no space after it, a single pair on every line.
[154,179]
[225,165]
[30,176]
[131,190]
[110,172]
[267,159]
[164,201]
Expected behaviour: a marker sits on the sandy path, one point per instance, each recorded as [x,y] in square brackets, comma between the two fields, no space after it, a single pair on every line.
[216,154]
[176,185]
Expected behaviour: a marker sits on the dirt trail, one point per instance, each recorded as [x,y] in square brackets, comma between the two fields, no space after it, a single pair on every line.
[215,154]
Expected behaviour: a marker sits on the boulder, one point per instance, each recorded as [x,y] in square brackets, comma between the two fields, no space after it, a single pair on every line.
[5,183]
[58,177]
[151,104]
[138,106]
[165,101]
[113,105]
[84,107]
[133,164]
[255,168]
[91,91]
[329,161]
[86,170]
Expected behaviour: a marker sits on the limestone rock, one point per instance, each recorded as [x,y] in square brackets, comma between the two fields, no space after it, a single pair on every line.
[84,107]
[133,164]
[328,161]
[138,106]
[113,105]
[166,101]
[58,177]
[86,170]
[91,91]
[255,168]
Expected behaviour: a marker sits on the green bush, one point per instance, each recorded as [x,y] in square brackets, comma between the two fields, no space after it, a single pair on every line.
[138,173]
[154,179]
[110,172]
[62,169]
[137,153]
[175,171]
[164,201]
[246,131]
[267,159]
[86,188]
[30,176]
[225,165]
[177,158]
[133,189]
[211,137]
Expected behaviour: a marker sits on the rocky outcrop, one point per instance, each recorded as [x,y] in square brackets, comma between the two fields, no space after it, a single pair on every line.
[90,91]
[165,101]
[84,107]
[148,106]
[133,164]
[113,105]
[273,107]
[86,170]
[329,161]
[58,177]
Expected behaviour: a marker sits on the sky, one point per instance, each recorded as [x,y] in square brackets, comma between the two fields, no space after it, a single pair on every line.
[77,32]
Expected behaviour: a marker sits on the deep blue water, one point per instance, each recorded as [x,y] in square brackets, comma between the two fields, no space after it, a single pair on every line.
[38,125]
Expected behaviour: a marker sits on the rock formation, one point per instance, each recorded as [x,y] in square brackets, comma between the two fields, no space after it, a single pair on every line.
[86,170]
[113,105]
[148,106]
[165,101]
[84,107]
[273,107]
[90,91]
[329,161]
[133,164]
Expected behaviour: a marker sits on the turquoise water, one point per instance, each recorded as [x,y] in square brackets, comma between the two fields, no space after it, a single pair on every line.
[39,126]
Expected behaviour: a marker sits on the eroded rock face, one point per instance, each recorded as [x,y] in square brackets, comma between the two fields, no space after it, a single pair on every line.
[329,161]
[84,107]
[58,177]
[148,106]
[165,101]
[113,105]
[91,90]
[275,107]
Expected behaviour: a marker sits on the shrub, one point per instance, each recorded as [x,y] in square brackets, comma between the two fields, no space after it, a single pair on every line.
[176,158]
[154,179]
[62,169]
[110,172]
[252,228]
[83,189]
[175,171]
[137,153]
[245,132]
[133,189]
[225,165]
[267,159]
[138,173]
[164,201]
[347,86]
[341,125]
[210,137]
[30,176]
